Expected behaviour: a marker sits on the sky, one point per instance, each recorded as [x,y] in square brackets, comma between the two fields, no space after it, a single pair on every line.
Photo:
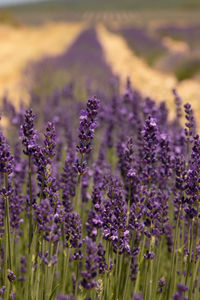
[9,2]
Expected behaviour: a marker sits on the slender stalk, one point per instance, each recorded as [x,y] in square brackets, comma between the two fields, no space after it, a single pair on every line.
[140,262]
[190,252]
[126,281]
[157,268]
[171,274]
[50,273]
[119,275]
[182,251]
[8,224]
[176,262]
[146,281]
[7,241]
[129,204]
[65,268]
[6,281]
[31,202]
[195,273]
[195,251]
[76,284]
[151,268]
[77,201]
[106,278]
[116,275]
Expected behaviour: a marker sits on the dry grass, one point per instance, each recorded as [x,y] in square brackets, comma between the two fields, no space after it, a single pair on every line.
[19,45]
[175,46]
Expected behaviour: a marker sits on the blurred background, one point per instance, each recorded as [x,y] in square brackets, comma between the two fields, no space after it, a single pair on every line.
[48,45]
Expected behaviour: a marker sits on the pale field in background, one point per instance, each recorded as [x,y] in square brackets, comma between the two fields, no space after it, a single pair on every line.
[21,45]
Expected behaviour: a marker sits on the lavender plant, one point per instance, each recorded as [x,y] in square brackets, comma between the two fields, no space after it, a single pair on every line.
[99,200]
[133,232]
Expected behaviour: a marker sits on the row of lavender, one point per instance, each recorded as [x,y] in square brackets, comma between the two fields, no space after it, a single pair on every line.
[145,45]
[151,46]
[82,63]
[102,201]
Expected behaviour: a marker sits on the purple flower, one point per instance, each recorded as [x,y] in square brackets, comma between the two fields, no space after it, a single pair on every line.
[138,296]
[23,268]
[181,289]
[11,276]
[50,140]
[161,284]
[65,297]
[69,181]
[178,102]
[93,223]
[91,265]
[6,158]
[28,133]
[2,290]
[150,150]
[114,217]
[190,124]
[43,156]
[87,126]
[73,230]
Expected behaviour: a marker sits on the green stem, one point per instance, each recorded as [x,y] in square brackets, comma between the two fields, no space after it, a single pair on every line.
[65,269]
[129,204]
[116,275]
[6,281]
[50,273]
[151,270]
[31,202]
[182,251]
[190,252]
[157,268]
[76,284]
[77,199]
[126,282]
[195,273]
[119,275]
[146,281]
[194,254]
[8,224]
[140,262]
[171,276]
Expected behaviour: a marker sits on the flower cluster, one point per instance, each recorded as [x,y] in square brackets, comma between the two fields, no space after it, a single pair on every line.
[111,213]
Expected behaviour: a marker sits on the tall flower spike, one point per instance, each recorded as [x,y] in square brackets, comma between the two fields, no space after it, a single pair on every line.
[150,148]
[43,155]
[49,141]
[87,126]
[68,181]
[6,159]
[91,265]
[28,133]
[6,167]
[178,102]
[190,124]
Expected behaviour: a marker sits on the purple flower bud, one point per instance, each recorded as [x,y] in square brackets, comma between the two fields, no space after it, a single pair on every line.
[28,134]
[6,159]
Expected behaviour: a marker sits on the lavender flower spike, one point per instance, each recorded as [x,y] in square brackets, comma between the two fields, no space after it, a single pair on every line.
[87,126]
[6,159]
[28,133]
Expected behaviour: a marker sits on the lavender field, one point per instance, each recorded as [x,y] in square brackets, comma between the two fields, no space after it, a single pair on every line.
[99,180]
